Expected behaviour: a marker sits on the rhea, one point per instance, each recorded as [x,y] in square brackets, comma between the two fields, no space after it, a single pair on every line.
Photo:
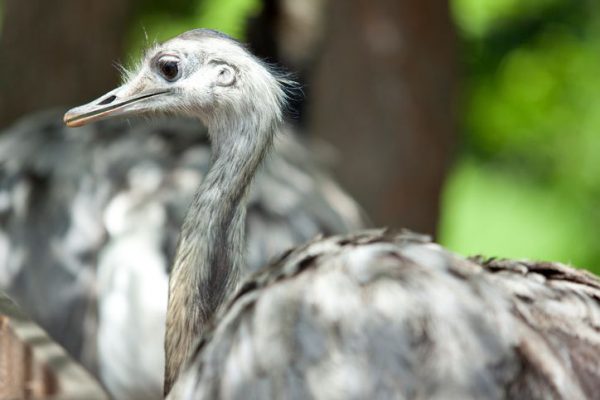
[207,75]
[371,314]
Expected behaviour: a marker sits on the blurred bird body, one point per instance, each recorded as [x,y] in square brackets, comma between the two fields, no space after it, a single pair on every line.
[90,220]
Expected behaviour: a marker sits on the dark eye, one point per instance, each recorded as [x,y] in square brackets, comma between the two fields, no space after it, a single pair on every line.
[169,69]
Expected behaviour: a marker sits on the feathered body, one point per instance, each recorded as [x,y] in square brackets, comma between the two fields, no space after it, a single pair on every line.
[389,315]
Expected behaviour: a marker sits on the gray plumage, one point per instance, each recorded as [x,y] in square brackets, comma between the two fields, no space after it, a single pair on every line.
[388,315]
[374,314]
[90,219]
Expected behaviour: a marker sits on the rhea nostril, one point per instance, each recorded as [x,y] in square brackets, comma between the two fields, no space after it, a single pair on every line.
[107,100]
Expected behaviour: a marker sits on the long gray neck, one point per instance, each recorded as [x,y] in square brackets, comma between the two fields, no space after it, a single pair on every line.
[211,245]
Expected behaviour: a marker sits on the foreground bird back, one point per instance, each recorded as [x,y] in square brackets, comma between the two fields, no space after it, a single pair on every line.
[385,315]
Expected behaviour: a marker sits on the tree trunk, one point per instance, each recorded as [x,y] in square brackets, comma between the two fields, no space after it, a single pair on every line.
[383,93]
[58,54]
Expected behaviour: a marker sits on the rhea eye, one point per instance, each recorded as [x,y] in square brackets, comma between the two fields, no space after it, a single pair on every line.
[169,69]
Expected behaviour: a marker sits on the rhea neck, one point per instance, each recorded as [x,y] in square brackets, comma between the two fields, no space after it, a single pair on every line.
[211,245]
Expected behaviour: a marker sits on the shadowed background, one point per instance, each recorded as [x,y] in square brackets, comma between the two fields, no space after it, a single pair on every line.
[505,166]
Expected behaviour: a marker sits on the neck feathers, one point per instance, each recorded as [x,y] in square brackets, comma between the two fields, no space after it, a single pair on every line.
[211,245]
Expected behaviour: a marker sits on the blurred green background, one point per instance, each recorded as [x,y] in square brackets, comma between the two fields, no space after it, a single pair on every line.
[526,178]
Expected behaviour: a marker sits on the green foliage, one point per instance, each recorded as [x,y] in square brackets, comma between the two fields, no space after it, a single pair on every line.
[228,16]
[495,213]
[531,131]
[479,17]
[160,20]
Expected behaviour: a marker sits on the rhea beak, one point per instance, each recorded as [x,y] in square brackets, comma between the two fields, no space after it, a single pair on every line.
[116,102]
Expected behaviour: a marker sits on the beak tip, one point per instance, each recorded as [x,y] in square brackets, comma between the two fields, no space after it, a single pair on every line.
[68,120]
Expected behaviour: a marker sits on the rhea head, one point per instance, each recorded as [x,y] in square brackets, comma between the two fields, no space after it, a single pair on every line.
[200,73]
